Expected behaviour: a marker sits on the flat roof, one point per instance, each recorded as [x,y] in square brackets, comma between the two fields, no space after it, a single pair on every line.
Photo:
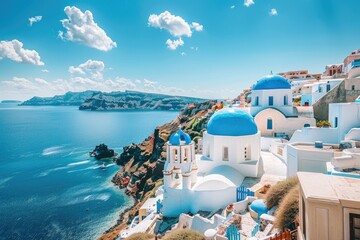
[330,188]
[311,147]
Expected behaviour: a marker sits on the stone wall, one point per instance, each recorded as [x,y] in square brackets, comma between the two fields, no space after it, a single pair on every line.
[335,95]
[340,94]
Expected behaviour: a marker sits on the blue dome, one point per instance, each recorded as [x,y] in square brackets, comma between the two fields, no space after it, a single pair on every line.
[179,136]
[259,207]
[272,82]
[232,122]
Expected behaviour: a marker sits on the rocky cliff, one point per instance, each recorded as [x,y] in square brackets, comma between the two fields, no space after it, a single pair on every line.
[136,101]
[143,163]
[68,99]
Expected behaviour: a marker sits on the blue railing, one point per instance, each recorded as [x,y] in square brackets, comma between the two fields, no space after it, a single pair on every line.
[232,233]
[242,192]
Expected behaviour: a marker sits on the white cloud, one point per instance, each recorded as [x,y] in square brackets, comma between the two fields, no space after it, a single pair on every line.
[194,48]
[248,3]
[174,44]
[20,83]
[44,70]
[14,50]
[232,7]
[183,53]
[34,20]
[81,27]
[197,26]
[273,12]
[176,25]
[92,67]
[75,70]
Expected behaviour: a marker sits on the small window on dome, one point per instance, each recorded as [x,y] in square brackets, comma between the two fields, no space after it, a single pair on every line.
[225,154]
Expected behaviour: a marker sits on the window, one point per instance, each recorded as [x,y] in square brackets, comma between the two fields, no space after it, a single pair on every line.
[225,154]
[257,101]
[175,155]
[285,100]
[319,89]
[353,87]
[247,152]
[186,154]
[271,100]
[336,122]
[354,226]
[327,87]
[269,124]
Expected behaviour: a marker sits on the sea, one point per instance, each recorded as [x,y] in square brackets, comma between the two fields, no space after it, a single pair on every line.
[49,186]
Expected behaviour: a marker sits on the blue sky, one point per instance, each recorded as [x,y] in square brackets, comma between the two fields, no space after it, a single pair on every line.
[222,46]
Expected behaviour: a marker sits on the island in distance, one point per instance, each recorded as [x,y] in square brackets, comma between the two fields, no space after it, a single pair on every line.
[68,99]
[127,100]
[132,100]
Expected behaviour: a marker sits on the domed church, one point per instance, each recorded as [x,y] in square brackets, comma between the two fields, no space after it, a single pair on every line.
[231,152]
[273,110]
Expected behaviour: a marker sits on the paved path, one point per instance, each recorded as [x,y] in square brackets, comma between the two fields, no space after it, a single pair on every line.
[271,170]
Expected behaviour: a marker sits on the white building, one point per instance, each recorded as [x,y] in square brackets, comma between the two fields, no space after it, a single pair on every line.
[329,207]
[313,92]
[344,119]
[302,155]
[231,148]
[272,91]
[272,107]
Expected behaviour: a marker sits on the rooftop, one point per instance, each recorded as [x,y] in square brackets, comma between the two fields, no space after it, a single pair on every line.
[272,82]
[311,147]
[328,188]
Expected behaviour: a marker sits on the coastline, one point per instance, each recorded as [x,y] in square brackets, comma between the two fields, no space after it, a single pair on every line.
[144,162]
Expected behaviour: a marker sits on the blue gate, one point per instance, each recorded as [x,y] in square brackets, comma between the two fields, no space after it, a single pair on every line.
[232,233]
[242,192]
[158,206]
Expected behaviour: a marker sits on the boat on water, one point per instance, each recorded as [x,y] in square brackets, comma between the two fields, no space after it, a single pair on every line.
[102,151]
[103,166]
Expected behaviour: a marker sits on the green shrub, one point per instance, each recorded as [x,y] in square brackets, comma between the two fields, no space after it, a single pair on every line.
[278,191]
[288,209]
[184,234]
[140,236]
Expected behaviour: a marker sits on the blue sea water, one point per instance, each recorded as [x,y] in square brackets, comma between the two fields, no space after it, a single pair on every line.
[49,187]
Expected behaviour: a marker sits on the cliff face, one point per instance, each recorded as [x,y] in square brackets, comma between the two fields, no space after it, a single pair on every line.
[136,101]
[69,99]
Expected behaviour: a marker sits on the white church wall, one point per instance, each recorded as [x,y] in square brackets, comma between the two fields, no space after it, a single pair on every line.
[280,124]
[278,101]
[236,153]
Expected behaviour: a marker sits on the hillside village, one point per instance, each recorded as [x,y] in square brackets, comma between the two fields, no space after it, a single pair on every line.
[282,161]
